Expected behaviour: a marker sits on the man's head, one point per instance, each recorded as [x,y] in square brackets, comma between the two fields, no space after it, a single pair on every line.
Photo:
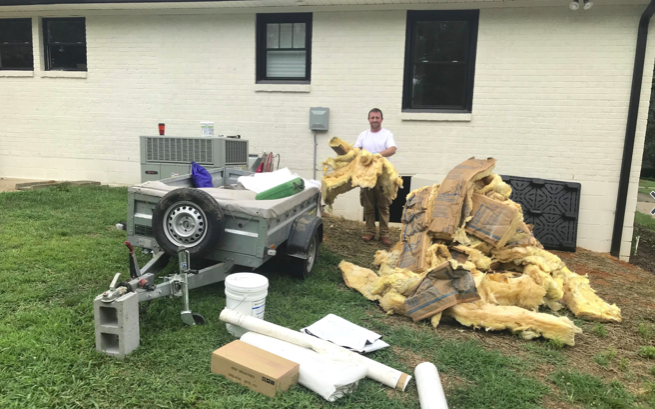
[375,119]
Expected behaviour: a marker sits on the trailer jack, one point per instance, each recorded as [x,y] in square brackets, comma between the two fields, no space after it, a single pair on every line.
[116,311]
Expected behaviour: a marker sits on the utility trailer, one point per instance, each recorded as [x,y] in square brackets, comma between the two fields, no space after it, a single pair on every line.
[216,228]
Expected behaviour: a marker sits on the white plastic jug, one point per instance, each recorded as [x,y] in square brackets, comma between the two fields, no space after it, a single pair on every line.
[246,293]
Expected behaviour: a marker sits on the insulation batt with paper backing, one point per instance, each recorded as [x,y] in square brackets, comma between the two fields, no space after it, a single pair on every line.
[356,167]
[465,252]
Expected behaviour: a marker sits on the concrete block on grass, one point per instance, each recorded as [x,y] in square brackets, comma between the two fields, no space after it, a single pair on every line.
[117,325]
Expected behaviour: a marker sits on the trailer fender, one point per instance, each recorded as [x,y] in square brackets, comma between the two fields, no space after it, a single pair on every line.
[302,231]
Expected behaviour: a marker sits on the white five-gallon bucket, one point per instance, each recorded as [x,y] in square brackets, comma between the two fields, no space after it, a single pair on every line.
[245,293]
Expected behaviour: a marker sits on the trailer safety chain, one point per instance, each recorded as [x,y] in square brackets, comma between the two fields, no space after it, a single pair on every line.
[138,189]
[143,309]
[235,219]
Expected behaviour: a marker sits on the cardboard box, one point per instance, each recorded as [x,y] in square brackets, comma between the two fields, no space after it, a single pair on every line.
[448,208]
[493,221]
[441,288]
[416,216]
[255,368]
[414,249]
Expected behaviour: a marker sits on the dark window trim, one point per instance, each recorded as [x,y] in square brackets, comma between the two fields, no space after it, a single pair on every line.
[262,20]
[413,16]
[46,44]
[28,19]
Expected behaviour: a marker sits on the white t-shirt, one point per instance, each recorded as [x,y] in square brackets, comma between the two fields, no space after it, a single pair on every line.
[375,142]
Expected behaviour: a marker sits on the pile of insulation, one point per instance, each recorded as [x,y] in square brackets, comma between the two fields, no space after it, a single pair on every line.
[465,252]
[356,167]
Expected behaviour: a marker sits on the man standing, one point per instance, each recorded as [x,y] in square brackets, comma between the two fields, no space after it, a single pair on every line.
[376,140]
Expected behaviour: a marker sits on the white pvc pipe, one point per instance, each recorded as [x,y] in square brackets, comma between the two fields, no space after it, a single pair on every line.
[319,373]
[430,390]
[376,371]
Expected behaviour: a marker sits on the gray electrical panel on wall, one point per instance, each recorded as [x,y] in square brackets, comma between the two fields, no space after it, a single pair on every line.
[319,118]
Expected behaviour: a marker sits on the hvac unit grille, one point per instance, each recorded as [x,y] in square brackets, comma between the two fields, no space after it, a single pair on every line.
[177,150]
[141,230]
[236,152]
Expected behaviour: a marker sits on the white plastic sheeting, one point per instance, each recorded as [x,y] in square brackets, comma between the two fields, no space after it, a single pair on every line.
[329,378]
[378,372]
[346,334]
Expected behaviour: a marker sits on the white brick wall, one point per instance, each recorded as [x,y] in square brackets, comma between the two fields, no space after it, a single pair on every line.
[550,101]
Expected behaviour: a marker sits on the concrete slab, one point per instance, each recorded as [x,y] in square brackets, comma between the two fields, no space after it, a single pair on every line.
[645,207]
[51,183]
[9,184]
[642,197]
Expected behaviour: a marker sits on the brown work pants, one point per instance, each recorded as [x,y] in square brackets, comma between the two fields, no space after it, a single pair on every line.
[371,199]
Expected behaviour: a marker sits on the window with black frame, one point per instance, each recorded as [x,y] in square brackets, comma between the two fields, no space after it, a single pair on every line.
[65,44]
[284,47]
[16,44]
[440,61]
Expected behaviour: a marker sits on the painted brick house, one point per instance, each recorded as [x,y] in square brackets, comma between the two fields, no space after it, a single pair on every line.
[541,87]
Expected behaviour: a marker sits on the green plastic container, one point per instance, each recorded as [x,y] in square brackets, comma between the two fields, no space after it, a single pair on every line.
[287,189]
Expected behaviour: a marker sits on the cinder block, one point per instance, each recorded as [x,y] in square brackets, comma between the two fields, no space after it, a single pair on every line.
[117,325]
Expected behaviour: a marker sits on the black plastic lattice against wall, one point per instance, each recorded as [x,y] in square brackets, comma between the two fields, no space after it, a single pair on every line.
[551,206]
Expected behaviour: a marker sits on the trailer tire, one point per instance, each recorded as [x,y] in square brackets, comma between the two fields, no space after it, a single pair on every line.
[188,218]
[302,267]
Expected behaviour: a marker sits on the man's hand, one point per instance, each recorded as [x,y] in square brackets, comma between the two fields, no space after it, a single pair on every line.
[388,152]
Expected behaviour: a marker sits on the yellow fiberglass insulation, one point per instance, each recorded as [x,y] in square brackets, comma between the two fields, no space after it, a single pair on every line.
[436,319]
[546,261]
[553,289]
[582,300]
[388,258]
[359,168]
[482,262]
[493,183]
[400,281]
[389,289]
[512,281]
[393,303]
[528,324]
[360,279]
[511,289]
[436,255]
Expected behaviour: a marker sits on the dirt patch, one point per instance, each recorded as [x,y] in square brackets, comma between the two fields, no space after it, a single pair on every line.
[645,257]
[630,287]
[345,238]
[408,357]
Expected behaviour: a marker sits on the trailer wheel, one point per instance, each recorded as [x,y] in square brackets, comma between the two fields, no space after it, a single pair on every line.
[302,267]
[188,218]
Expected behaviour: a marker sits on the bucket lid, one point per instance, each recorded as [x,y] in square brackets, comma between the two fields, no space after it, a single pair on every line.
[246,282]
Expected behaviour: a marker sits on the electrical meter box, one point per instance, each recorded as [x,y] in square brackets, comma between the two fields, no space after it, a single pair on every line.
[319,118]
[163,157]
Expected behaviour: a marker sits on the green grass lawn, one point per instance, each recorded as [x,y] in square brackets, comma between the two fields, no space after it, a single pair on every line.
[59,249]
[646,186]
[645,220]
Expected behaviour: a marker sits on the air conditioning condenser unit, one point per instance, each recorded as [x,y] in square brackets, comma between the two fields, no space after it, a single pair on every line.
[163,157]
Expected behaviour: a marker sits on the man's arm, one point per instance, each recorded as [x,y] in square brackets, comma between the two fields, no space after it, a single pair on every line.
[388,152]
[358,142]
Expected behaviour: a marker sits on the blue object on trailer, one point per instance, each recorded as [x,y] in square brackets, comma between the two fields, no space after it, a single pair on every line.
[200,176]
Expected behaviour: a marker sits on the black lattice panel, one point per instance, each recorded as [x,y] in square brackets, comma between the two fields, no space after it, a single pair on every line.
[551,206]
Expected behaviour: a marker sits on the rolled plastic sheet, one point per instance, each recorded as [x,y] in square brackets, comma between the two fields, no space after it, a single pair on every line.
[327,377]
[430,390]
[388,376]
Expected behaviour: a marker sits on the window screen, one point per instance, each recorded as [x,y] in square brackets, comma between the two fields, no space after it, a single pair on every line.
[284,46]
[16,44]
[440,60]
[65,44]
